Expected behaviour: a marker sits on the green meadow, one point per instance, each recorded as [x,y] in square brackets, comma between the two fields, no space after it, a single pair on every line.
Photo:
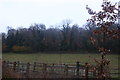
[60,58]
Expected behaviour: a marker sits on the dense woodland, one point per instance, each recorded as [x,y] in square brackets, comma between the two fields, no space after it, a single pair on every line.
[66,37]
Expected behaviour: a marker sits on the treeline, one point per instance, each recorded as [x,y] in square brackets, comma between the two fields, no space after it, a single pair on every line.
[66,37]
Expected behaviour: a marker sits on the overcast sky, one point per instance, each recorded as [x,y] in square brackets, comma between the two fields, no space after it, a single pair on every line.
[17,13]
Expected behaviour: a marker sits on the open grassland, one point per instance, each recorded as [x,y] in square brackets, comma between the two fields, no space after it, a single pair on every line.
[60,58]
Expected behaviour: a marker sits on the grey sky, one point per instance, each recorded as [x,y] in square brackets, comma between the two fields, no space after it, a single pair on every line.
[16,13]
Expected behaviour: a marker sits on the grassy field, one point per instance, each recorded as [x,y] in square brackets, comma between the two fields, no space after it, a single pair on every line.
[59,58]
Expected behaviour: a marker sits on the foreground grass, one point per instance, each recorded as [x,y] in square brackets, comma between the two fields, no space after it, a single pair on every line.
[59,58]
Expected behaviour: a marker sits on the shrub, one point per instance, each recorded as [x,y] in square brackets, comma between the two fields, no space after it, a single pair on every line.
[4,47]
[20,48]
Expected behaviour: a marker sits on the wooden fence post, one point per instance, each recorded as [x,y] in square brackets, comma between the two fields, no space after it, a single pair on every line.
[14,66]
[27,70]
[52,68]
[66,70]
[34,67]
[18,63]
[44,68]
[77,65]
[3,63]
[28,67]
[86,70]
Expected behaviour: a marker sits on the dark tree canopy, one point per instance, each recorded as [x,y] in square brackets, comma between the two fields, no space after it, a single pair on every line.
[37,38]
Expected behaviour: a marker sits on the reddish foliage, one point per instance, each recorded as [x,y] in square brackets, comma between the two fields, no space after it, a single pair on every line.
[104,19]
